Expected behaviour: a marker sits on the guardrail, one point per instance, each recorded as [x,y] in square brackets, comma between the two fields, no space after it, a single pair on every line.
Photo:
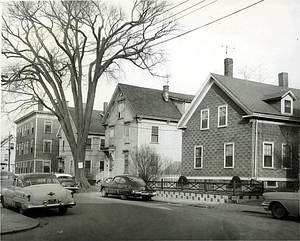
[233,187]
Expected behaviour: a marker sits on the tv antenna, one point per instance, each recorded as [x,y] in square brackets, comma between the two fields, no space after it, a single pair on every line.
[226,48]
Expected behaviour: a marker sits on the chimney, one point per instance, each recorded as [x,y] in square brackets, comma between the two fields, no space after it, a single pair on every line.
[40,106]
[105,104]
[283,79]
[166,92]
[228,67]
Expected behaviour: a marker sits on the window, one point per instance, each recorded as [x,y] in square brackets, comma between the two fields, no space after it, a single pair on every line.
[111,136]
[154,134]
[32,127]
[102,142]
[126,162]
[268,154]
[126,130]
[31,146]
[89,144]
[228,155]
[47,146]
[63,145]
[47,127]
[121,109]
[204,119]
[101,166]
[286,156]
[288,106]
[198,157]
[222,116]
[87,167]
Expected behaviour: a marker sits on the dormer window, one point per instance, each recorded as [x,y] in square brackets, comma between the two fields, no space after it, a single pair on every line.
[287,105]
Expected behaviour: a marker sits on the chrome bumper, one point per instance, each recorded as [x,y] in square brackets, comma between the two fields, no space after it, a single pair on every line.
[266,205]
[53,205]
[143,193]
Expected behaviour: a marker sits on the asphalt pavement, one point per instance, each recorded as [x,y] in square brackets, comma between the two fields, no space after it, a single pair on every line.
[12,221]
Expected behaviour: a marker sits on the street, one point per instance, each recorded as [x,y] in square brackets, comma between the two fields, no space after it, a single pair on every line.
[98,218]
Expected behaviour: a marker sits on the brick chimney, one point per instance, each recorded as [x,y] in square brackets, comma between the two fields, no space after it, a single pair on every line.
[283,79]
[166,92]
[228,67]
[105,104]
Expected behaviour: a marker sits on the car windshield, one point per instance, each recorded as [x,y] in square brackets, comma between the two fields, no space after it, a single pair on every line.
[30,181]
[137,180]
[64,178]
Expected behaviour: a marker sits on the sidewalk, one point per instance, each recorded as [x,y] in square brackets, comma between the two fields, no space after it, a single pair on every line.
[12,221]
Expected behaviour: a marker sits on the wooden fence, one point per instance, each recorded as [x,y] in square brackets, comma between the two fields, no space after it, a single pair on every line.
[210,186]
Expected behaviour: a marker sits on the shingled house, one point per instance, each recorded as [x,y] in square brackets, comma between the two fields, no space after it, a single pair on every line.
[138,116]
[242,128]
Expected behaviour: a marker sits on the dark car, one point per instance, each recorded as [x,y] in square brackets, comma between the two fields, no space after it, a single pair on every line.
[127,185]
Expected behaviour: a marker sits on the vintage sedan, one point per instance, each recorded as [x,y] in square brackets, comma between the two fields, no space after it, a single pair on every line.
[67,181]
[32,191]
[282,204]
[127,185]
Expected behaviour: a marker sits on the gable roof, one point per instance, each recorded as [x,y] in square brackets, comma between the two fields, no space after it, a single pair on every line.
[249,95]
[149,103]
[95,127]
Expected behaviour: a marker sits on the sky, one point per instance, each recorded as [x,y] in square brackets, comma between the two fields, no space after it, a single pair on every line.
[264,38]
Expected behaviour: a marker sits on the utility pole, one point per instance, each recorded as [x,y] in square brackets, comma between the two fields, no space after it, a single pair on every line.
[9,137]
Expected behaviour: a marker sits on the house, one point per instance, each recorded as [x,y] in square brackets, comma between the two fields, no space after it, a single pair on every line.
[95,159]
[36,142]
[242,128]
[8,153]
[137,116]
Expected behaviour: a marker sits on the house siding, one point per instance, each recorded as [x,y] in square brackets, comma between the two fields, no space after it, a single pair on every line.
[238,131]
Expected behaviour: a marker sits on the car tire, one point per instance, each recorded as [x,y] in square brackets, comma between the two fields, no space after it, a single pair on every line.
[123,197]
[63,209]
[4,205]
[103,192]
[279,211]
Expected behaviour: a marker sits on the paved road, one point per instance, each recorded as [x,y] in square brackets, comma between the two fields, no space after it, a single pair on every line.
[97,218]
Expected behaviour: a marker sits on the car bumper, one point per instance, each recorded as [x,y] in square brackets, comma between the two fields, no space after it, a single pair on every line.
[266,205]
[142,193]
[53,205]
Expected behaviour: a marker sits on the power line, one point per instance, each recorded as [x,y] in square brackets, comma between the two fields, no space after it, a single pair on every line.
[190,31]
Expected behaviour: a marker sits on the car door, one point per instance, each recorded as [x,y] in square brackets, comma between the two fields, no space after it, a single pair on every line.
[121,186]
[112,186]
[296,203]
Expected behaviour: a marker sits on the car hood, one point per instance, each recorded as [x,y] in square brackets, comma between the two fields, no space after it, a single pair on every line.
[39,192]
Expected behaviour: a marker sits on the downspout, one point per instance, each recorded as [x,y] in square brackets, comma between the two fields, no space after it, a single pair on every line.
[255,148]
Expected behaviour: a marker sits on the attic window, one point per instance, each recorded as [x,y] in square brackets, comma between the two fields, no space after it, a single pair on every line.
[121,109]
[287,106]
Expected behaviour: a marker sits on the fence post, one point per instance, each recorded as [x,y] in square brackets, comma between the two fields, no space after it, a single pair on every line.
[234,186]
[162,184]
[205,188]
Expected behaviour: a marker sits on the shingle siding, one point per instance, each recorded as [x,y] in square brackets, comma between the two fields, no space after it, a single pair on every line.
[237,131]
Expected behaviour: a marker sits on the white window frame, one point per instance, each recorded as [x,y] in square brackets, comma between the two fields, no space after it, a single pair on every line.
[225,145]
[263,158]
[152,134]
[287,98]
[201,119]
[51,124]
[121,109]
[201,163]
[44,142]
[111,136]
[89,149]
[226,117]
[283,155]
[91,165]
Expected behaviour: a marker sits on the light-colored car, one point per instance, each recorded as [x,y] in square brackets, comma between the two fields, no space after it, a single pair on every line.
[37,191]
[127,185]
[281,204]
[67,181]
[6,179]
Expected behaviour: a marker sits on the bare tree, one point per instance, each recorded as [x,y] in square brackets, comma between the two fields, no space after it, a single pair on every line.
[61,47]
[146,163]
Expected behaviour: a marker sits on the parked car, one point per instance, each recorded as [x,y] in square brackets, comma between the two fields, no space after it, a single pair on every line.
[127,185]
[37,191]
[282,204]
[106,180]
[6,179]
[67,181]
